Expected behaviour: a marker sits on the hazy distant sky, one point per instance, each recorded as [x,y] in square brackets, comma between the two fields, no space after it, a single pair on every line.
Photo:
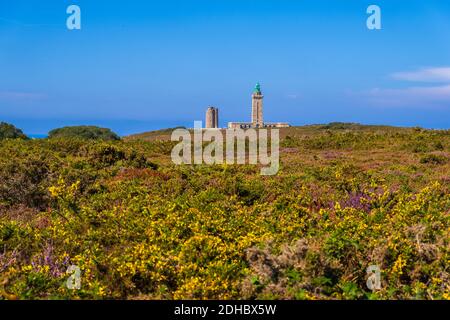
[145,64]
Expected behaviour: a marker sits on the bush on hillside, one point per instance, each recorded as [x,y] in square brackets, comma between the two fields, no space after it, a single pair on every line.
[84,132]
[8,131]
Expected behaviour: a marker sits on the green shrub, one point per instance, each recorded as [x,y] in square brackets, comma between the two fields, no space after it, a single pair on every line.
[434,159]
[84,132]
[8,131]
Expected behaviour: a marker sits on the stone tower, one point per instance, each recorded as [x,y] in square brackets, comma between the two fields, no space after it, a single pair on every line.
[216,117]
[212,118]
[257,107]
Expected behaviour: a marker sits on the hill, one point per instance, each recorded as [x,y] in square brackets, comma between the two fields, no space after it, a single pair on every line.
[84,132]
[346,197]
[296,131]
[161,135]
[8,131]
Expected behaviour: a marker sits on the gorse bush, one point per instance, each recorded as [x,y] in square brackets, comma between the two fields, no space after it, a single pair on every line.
[140,227]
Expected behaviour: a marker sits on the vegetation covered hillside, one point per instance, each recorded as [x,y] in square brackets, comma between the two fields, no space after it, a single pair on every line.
[8,131]
[84,132]
[139,227]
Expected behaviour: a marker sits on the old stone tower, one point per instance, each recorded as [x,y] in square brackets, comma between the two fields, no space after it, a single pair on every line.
[257,114]
[212,118]
[257,107]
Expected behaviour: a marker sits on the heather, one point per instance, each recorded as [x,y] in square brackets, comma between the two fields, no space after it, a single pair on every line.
[139,227]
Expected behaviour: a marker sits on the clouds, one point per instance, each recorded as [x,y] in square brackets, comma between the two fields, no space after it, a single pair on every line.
[411,97]
[15,96]
[434,92]
[425,75]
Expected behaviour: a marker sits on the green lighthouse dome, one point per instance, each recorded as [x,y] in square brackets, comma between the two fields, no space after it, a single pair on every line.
[257,89]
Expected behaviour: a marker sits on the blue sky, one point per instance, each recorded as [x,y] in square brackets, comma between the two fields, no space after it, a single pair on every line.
[141,65]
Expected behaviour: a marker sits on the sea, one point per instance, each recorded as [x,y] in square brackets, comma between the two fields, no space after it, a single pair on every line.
[38,136]
[39,129]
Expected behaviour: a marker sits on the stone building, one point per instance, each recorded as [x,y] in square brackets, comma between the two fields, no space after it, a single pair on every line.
[257,120]
[212,118]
